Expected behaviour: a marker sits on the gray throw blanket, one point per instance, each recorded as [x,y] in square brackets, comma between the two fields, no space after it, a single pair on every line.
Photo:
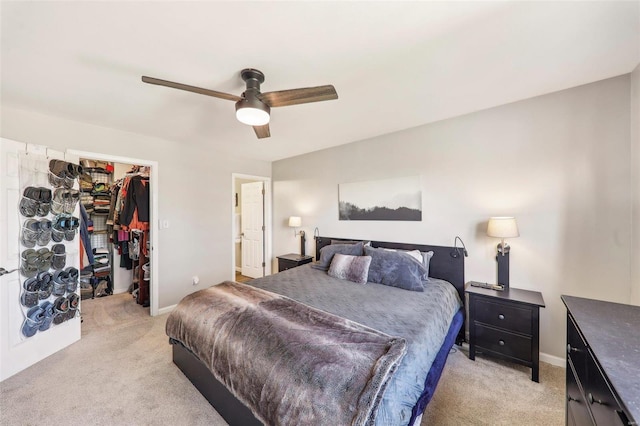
[291,364]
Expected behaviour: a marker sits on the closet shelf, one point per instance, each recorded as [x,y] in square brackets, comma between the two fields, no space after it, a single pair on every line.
[96,170]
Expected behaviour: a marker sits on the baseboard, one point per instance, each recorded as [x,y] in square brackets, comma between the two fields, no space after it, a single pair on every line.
[553,360]
[549,359]
[166,309]
[238,269]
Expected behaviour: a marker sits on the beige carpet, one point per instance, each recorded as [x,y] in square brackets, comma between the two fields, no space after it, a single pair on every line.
[121,373]
[491,392]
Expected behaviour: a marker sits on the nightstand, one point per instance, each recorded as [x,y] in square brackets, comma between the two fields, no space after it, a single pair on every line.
[506,324]
[291,260]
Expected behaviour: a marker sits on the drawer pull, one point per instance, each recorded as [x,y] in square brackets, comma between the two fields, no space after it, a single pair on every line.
[501,342]
[501,316]
[591,400]
[570,349]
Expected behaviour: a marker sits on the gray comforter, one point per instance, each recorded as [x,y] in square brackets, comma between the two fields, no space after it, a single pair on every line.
[422,319]
[290,363]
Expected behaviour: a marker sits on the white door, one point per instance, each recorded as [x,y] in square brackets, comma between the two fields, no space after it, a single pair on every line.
[18,352]
[252,225]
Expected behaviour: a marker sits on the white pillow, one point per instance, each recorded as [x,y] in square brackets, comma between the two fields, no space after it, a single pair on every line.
[413,253]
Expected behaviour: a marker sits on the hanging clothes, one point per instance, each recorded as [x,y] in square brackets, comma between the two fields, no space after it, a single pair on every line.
[129,215]
[136,199]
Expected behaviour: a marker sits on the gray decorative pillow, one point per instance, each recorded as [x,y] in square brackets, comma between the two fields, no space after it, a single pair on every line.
[423,257]
[327,253]
[351,268]
[395,269]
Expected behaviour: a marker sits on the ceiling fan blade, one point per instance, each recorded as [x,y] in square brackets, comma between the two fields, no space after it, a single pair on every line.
[193,89]
[262,131]
[299,96]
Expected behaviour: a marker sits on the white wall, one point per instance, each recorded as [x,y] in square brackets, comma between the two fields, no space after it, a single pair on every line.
[194,194]
[635,180]
[559,163]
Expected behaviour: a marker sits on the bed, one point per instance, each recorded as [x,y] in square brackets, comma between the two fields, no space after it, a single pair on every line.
[410,332]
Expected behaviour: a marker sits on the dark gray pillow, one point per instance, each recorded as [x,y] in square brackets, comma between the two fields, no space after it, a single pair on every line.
[327,253]
[351,268]
[424,256]
[395,269]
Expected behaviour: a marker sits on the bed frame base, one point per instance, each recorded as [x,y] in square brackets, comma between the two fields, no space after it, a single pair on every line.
[228,406]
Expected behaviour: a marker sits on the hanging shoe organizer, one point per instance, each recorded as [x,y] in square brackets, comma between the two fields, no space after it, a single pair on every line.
[48,209]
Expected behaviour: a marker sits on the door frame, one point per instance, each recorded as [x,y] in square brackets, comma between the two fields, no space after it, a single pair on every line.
[154,293]
[267,220]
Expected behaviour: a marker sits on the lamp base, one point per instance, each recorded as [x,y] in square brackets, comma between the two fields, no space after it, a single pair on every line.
[503,268]
[303,243]
[503,248]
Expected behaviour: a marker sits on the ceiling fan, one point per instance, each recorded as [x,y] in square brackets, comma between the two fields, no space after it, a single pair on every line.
[252,107]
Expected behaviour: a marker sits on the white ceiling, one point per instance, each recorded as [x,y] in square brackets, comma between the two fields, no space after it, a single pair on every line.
[395,65]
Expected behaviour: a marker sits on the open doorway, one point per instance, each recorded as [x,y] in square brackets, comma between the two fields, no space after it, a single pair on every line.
[114,204]
[251,227]
[145,265]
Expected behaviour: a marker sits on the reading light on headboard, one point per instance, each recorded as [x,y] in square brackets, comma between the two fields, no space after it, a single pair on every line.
[457,250]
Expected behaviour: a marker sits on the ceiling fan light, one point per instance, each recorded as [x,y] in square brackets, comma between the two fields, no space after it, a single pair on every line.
[252,112]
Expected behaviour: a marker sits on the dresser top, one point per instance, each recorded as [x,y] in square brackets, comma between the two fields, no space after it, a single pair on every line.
[612,330]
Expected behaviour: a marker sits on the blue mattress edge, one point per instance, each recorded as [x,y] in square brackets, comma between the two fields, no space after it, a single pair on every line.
[435,371]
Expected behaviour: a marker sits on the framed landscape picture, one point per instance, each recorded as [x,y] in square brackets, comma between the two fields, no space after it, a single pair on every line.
[388,199]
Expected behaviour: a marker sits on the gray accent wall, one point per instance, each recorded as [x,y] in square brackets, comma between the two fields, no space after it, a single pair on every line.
[560,163]
[195,193]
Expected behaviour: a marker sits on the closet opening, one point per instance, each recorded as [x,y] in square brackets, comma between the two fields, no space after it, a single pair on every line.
[122,278]
[115,239]
[251,227]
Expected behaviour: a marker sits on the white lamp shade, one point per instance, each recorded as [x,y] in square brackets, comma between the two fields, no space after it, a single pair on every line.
[503,227]
[252,116]
[295,221]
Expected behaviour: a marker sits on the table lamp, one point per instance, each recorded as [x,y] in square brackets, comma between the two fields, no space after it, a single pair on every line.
[503,227]
[296,222]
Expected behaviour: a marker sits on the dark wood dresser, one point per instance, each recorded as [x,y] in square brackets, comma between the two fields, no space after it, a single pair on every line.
[603,362]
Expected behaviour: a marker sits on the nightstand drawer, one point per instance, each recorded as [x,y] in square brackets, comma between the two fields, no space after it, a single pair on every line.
[507,316]
[284,264]
[503,342]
